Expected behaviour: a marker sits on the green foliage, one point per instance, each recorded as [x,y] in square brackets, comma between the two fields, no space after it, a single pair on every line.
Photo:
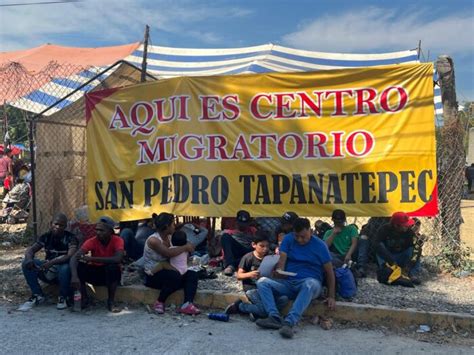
[17,125]
[455,259]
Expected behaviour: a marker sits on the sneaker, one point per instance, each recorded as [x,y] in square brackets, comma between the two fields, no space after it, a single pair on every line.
[229,270]
[35,300]
[286,331]
[159,307]
[269,323]
[62,304]
[233,308]
[415,280]
[190,309]
[253,317]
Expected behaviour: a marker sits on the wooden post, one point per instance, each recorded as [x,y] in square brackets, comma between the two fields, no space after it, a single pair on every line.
[451,157]
[145,53]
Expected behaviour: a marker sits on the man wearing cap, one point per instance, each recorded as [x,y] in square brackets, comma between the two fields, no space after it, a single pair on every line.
[59,246]
[236,243]
[102,266]
[304,264]
[395,244]
[342,239]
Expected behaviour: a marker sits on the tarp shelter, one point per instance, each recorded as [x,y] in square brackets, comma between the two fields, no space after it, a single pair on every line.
[60,134]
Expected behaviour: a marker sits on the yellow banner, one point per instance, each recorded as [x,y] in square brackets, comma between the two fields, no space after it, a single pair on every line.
[358,139]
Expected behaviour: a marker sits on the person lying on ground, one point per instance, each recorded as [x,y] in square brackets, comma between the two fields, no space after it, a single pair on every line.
[396,244]
[158,248]
[248,273]
[59,246]
[307,261]
[236,243]
[177,263]
[103,266]
[342,239]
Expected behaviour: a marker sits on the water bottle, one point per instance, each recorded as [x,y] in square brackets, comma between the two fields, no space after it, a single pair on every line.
[222,317]
[77,301]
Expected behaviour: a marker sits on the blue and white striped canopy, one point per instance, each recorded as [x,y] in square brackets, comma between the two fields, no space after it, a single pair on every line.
[167,62]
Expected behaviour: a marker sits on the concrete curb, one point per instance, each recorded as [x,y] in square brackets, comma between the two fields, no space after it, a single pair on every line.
[345,311]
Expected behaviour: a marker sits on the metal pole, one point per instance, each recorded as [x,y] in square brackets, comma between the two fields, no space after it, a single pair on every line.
[145,53]
[31,135]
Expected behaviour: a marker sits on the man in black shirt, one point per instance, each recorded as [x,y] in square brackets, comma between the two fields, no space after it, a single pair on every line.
[59,246]
[396,244]
[236,243]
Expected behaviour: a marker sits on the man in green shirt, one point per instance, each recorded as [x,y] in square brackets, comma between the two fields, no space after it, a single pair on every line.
[342,239]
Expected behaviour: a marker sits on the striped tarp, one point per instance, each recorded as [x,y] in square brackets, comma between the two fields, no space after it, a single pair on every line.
[167,62]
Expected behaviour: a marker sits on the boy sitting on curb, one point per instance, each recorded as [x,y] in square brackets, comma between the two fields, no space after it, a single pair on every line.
[248,273]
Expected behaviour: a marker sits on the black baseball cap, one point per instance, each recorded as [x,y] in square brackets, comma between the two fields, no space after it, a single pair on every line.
[109,222]
[289,217]
[243,217]
[338,216]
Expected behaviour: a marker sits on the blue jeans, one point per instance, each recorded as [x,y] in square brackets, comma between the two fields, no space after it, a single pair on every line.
[363,250]
[256,305]
[403,259]
[63,278]
[301,291]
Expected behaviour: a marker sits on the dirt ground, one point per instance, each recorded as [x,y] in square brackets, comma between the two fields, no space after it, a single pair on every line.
[439,292]
[46,330]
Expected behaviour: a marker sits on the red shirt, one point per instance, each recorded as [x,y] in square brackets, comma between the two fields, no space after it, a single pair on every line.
[100,250]
[5,166]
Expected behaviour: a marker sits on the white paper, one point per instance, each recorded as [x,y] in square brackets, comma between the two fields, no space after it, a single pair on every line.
[286,273]
[268,264]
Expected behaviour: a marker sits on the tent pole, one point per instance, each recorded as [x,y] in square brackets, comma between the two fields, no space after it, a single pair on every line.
[145,53]
[419,49]
[33,180]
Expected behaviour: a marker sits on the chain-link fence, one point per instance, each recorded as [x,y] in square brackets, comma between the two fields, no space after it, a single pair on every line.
[61,161]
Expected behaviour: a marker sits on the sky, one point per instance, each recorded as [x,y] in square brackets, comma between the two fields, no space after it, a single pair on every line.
[444,27]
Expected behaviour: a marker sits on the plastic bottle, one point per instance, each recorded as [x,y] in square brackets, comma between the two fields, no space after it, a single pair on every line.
[77,301]
[223,317]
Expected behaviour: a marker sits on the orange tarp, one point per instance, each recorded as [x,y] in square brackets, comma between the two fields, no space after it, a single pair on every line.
[35,60]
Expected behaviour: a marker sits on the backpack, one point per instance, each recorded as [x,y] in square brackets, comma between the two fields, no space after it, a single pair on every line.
[393,275]
[346,284]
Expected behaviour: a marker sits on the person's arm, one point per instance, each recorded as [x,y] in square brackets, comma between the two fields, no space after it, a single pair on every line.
[331,284]
[61,259]
[73,264]
[168,252]
[242,274]
[281,265]
[332,234]
[31,251]
[354,241]
[351,250]
[381,249]
[116,259]
[10,166]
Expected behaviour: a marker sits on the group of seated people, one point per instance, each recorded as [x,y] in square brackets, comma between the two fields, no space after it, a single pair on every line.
[304,262]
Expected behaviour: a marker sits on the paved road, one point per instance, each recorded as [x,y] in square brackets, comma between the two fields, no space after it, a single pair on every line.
[46,330]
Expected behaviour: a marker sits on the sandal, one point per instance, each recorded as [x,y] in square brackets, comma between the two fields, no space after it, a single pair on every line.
[113,308]
[326,323]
